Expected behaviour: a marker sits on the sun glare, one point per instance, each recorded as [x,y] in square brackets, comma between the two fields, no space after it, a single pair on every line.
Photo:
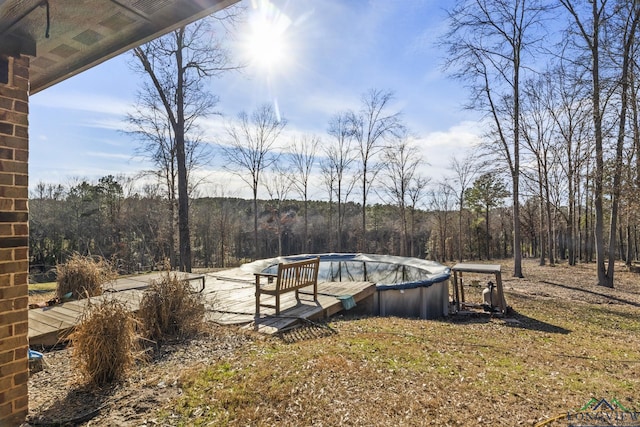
[267,45]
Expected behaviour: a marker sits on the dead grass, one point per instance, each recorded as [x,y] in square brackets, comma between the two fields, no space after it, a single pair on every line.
[170,309]
[105,343]
[566,342]
[83,276]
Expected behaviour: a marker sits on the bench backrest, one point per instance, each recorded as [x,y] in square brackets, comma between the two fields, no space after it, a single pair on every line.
[297,274]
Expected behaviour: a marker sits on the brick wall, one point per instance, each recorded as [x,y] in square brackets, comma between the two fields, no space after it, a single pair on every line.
[14,242]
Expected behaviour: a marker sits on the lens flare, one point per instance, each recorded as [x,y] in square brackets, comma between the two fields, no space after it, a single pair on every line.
[267,46]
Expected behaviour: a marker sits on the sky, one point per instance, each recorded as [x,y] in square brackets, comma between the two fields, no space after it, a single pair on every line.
[330,53]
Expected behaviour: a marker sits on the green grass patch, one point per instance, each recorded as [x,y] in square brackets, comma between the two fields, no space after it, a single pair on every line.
[42,287]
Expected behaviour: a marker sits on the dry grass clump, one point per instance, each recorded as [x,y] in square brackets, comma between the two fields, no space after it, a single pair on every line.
[105,343]
[83,276]
[170,309]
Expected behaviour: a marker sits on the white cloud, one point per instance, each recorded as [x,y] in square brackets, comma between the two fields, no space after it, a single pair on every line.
[439,147]
[89,102]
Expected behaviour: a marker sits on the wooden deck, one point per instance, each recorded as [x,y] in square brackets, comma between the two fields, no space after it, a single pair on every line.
[229,299]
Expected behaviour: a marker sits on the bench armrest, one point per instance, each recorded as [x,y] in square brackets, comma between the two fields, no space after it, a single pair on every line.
[270,277]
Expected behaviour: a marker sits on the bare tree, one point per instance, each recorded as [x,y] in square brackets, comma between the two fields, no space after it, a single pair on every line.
[371,126]
[251,150]
[570,112]
[487,43]
[538,133]
[278,183]
[441,203]
[329,183]
[401,161]
[170,103]
[593,35]
[303,157]
[338,162]
[417,189]
[465,172]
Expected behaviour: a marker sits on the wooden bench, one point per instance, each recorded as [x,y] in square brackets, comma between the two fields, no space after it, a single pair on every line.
[291,276]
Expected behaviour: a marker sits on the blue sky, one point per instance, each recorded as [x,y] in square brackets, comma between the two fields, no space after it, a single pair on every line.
[338,50]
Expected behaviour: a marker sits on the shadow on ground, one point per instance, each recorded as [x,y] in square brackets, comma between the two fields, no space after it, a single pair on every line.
[522,321]
[610,298]
[78,406]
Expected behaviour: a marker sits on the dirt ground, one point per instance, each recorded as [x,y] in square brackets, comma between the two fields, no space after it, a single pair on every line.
[56,398]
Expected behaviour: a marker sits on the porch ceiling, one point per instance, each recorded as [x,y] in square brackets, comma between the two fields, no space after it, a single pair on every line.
[84,33]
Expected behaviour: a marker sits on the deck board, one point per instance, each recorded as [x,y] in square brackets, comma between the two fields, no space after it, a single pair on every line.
[229,298]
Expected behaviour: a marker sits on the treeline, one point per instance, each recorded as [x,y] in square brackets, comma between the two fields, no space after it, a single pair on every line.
[137,231]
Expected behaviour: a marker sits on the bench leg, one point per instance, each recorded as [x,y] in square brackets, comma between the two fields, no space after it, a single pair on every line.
[257,317]
[277,304]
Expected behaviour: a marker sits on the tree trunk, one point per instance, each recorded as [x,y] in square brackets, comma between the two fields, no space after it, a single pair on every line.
[255,221]
[183,194]
[488,236]
[517,250]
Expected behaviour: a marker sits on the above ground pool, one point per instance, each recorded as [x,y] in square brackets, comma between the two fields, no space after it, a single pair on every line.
[406,287]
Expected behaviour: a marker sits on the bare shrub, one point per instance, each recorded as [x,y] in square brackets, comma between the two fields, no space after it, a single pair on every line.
[170,309]
[105,343]
[83,276]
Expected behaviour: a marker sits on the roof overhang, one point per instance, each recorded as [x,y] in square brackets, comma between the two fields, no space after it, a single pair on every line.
[65,37]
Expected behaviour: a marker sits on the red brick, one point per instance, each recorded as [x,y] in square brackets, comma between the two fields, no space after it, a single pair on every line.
[5,410]
[21,353]
[6,230]
[6,103]
[13,368]
[13,317]
[10,92]
[6,254]
[21,405]
[6,280]
[16,392]
[21,67]
[21,278]
[12,166]
[21,155]
[21,253]
[18,416]
[21,107]
[14,142]
[5,332]
[14,267]
[20,378]
[6,129]
[22,131]
[6,383]
[7,357]
[21,205]
[20,304]
[14,117]
[11,192]
[6,204]
[20,230]
[21,83]
[13,342]
[16,291]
